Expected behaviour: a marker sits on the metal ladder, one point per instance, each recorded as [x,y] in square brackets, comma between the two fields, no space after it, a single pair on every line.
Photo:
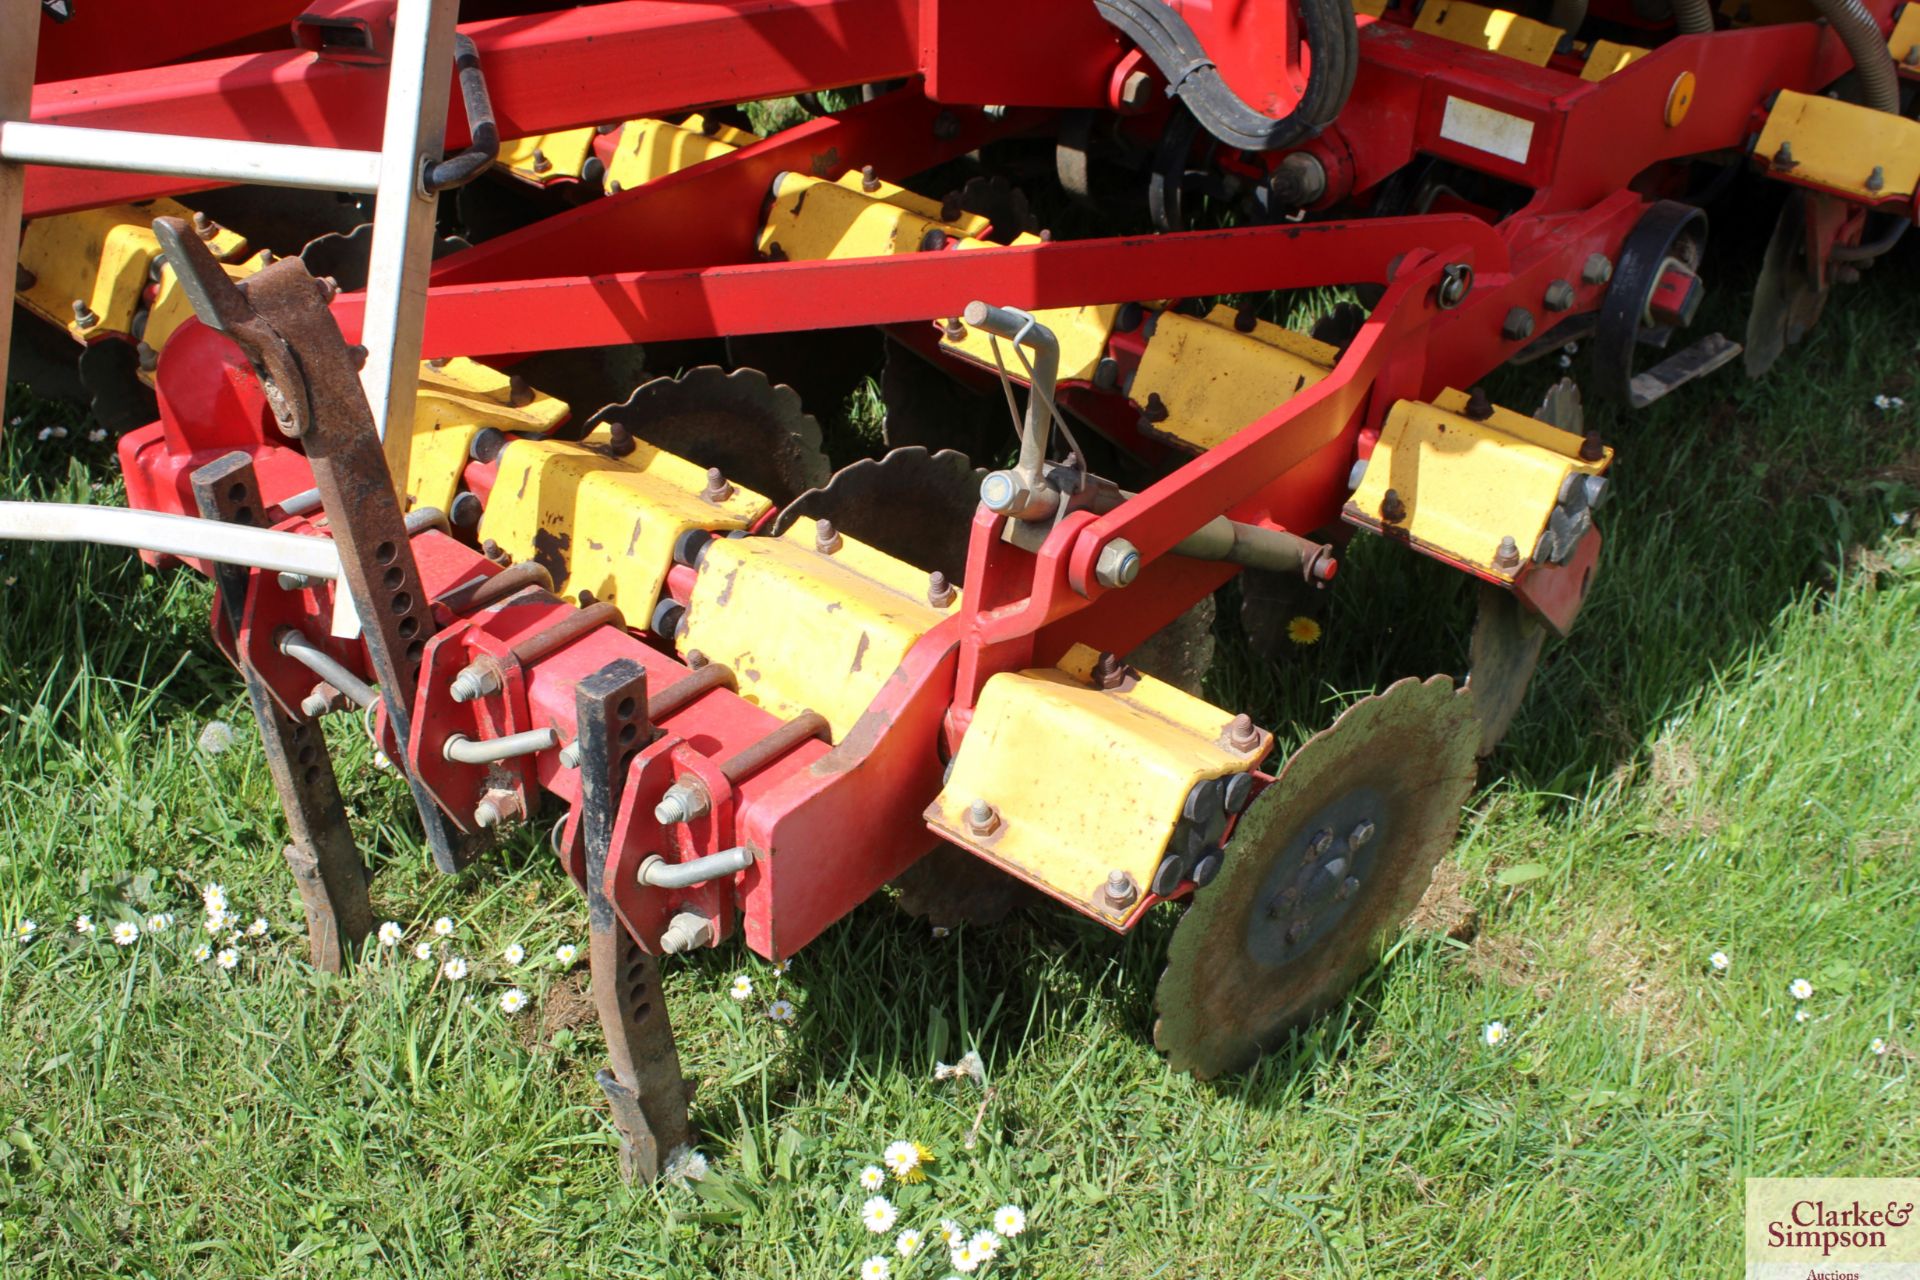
[419,77]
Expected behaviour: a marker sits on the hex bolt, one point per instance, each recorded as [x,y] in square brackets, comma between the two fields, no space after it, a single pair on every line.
[570,755]
[1591,450]
[1913,56]
[540,162]
[1283,902]
[1156,409]
[498,806]
[1136,91]
[1242,733]
[826,539]
[1877,179]
[1783,158]
[204,227]
[1109,672]
[1321,842]
[83,314]
[323,700]
[982,818]
[1518,326]
[1244,320]
[1598,269]
[1118,565]
[329,289]
[620,440]
[1509,553]
[465,509]
[1392,509]
[718,488]
[1479,407]
[1349,886]
[684,801]
[950,209]
[687,931]
[1559,296]
[869,181]
[519,394]
[23,279]
[940,592]
[953,329]
[1120,890]
[1364,831]
[476,680]
[294,581]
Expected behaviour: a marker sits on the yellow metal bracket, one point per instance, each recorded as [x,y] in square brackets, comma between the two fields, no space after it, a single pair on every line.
[102,258]
[814,219]
[651,149]
[1606,57]
[1484,493]
[1904,43]
[1497,30]
[1083,333]
[1854,151]
[455,400]
[1202,380]
[547,157]
[1070,786]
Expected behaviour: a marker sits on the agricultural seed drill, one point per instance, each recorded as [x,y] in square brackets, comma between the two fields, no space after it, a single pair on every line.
[497,422]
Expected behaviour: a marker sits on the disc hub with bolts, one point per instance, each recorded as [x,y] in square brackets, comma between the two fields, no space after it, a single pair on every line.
[1308,895]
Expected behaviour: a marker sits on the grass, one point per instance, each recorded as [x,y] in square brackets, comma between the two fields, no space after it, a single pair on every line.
[1720,758]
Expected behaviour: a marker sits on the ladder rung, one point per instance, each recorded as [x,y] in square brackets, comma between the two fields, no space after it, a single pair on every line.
[271,164]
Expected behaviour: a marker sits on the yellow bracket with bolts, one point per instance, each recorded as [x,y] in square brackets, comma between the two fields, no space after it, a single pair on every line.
[103,259]
[1214,380]
[1496,30]
[1853,151]
[1456,480]
[456,400]
[650,149]
[1904,42]
[547,157]
[605,524]
[810,620]
[1076,788]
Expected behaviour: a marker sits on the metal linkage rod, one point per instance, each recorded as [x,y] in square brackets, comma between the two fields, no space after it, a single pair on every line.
[321,663]
[461,749]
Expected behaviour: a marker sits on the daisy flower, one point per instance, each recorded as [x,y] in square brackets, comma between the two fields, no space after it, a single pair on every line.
[25,930]
[514,954]
[907,1243]
[390,934]
[878,1214]
[1801,1015]
[965,1259]
[984,1245]
[454,969]
[905,1159]
[780,970]
[1877,1047]
[215,896]
[126,933]
[258,929]
[941,931]
[1303,631]
[218,920]
[742,987]
[781,1011]
[1800,989]
[83,924]
[513,1001]
[566,953]
[1495,1034]
[202,953]
[1719,961]
[159,922]
[1009,1220]
[875,1268]
[424,951]
[444,926]
[227,958]
[872,1179]
[951,1233]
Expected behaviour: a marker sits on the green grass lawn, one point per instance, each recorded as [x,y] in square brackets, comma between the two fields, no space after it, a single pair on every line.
[1721,759]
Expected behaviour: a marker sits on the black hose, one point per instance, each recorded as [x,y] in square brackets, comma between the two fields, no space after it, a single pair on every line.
[1164,36]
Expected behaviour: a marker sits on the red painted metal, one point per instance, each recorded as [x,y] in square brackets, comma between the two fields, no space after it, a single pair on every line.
[104,36]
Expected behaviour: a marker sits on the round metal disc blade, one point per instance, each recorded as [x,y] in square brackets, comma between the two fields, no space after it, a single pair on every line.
[913,504]
[1180,652]
[1562,407]
[110,371]
[754,431]
[924,406]
[826,366]
[950,887]
[1505,650]
[1786,299]
[1308,894]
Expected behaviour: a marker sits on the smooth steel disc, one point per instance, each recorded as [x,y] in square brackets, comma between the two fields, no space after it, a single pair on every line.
[754,431]
[1323,867]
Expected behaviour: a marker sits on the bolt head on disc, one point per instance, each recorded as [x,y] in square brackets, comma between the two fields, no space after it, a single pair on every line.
[1324,866]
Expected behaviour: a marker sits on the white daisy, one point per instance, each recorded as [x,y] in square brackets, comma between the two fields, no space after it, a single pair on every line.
[566,953]
[1719,961]
[424,951]
[258,929]
[951,1233]
[965,1259]
[941,931]
[83,923]
[202,953]
[454,969]
[227,958]
[872,1179]
[25,930]
[907,1243]
[390,933]
[1009,1220]
[215,898]
[742,987]
[1800,989]
[984,1245]
[444,926]
[781,1011]
[514,954]
[904,1160]
[126,933]
[878,1214]
[1801,1015]
[875,1268]
[96,435]
[780,970]
[159,922]
[1495,1034]
[513,1000]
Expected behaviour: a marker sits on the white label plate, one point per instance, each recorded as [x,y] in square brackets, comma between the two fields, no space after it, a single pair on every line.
[1484,129]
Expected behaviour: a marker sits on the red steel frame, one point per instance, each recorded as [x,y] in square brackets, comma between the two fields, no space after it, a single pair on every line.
[674,259]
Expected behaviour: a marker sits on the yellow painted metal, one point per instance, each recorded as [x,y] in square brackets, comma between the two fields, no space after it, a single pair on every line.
[565,154]
[604,524]
[455,400]
[1606,57]
[1501,31]
[102,257]
[171,308]
[1083,781]
[1467,484]
[1370,8]
[1904,42]
[651,149]
[803,629]
[1838,145]
[1215,380]
[811,218]
[1082,331]
[965,224]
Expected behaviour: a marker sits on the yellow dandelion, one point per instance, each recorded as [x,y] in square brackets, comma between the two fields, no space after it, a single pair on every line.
[1303,631]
